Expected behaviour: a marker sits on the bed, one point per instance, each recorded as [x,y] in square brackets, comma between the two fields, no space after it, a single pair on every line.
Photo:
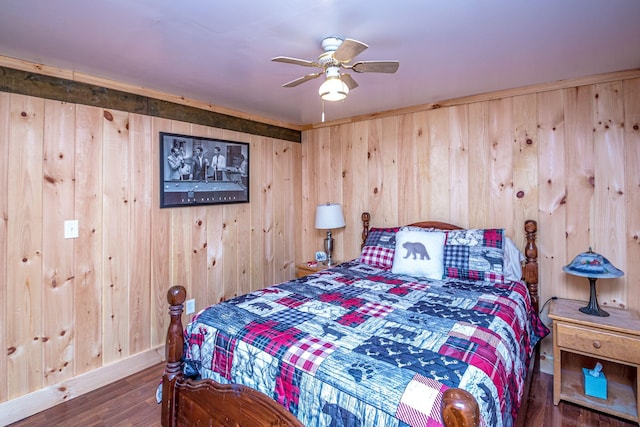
[380,340]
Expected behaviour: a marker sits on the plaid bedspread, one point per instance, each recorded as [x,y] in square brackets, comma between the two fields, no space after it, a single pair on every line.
[359,346]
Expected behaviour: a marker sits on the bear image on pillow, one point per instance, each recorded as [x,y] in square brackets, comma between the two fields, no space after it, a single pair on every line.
[416,249]
[419,254]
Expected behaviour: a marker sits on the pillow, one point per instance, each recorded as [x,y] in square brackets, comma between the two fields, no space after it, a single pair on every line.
[513,260]
[379,248]
[476,254]
[414,228]
[419,253]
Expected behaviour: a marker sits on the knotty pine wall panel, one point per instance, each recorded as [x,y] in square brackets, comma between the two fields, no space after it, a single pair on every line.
[57,252]
[434,145]
[525,162]
[87,249]
[71,306]
[388,186]
[566,157]
[631,90]
[581,182]
[23,328]
[552,195]
[609,195]
[459,150]
[280,252]
[375,164]
[116,225]
[291,163]
[160,248]
[423,153]
[479,161]
[408,180]
[355,168]
[309,236]
[268,229]
[5,99]
[140,200]
[501,163]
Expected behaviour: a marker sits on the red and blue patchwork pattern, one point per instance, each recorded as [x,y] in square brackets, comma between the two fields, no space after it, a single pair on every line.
[378,256]
[222,360]
[383,237]
[272,337]
[308,353]
[379,248]
[412,410]
[475,254]
[287,389]
[357,343]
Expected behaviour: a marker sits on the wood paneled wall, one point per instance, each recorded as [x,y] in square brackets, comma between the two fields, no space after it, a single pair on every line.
[568,158]
[70,306]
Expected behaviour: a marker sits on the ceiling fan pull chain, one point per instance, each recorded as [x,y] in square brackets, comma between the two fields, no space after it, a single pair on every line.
[323,111]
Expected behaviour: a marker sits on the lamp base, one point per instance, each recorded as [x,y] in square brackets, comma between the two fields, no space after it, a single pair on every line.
[328,248]
[593,308]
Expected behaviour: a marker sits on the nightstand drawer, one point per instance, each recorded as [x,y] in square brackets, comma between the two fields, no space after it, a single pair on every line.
[598,343]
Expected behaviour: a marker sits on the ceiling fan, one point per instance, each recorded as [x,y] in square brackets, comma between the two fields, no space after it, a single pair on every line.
[338,53]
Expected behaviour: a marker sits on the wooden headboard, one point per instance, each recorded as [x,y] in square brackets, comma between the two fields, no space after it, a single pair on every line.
[529,270]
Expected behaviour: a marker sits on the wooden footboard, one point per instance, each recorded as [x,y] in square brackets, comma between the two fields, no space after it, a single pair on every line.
[188,403]
[192,403]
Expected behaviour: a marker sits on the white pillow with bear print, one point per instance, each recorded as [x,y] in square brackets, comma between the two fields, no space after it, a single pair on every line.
[419,254]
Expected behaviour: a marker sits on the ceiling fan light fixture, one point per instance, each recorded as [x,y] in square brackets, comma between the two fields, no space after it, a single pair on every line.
[333,89]
[338,54]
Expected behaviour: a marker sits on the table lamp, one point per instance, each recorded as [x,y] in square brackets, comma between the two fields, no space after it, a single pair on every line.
[593,266]
[329,217]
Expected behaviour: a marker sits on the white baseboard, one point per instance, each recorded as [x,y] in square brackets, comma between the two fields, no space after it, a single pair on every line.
[45,398]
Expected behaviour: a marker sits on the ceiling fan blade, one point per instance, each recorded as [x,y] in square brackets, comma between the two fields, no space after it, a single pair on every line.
[349,49]
[375,66]
[302,79]
[349,81]
[296,61]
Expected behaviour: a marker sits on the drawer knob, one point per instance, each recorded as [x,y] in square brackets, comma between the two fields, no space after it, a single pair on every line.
[596,344]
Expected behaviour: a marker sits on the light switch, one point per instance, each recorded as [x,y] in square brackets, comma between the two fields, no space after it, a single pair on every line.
[71,229]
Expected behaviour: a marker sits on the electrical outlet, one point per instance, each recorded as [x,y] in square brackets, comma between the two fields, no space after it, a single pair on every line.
[71,229]
[191,306]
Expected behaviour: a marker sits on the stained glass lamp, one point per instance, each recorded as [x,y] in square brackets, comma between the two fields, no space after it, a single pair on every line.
[592,266]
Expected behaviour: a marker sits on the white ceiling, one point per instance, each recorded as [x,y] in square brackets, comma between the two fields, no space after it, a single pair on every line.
[220,52]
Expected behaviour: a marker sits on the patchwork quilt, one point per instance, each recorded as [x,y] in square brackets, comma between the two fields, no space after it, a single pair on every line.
[355,345]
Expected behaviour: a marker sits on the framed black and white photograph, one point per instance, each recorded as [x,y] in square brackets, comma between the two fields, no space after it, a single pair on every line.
[202,171]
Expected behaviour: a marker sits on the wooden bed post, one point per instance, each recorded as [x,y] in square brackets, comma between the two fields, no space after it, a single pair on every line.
[530,272]
[174,349]
[459,408]
[365,227]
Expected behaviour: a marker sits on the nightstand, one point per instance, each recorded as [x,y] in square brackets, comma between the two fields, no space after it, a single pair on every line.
[304,269]
[579,340]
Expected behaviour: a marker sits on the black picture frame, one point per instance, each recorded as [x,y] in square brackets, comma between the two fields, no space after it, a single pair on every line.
[220,176]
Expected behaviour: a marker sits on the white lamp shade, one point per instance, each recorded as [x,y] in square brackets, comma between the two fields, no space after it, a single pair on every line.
[329,216]
[333,89]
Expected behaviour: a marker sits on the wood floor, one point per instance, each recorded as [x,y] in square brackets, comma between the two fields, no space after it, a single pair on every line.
[131,402]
